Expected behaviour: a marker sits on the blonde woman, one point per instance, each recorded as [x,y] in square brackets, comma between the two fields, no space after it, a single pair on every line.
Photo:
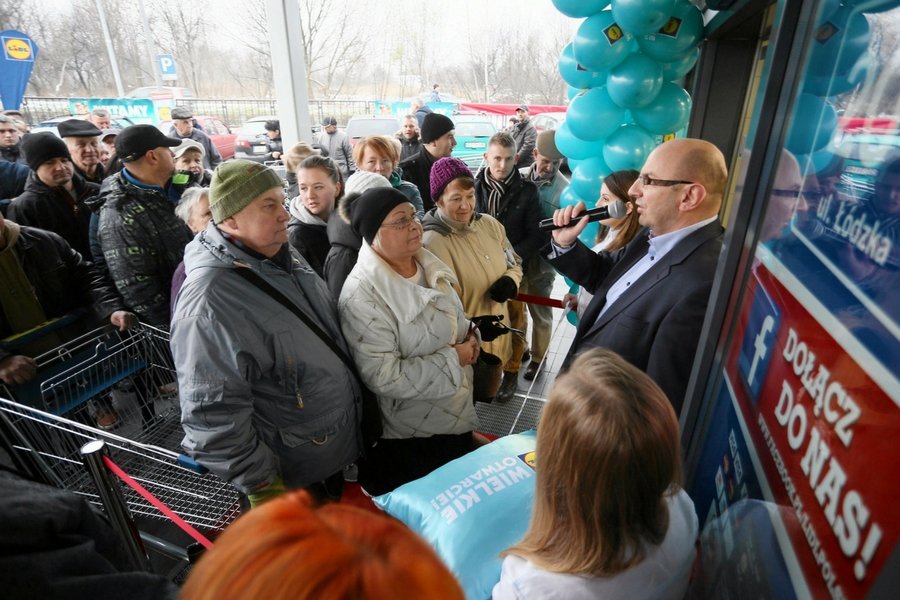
[610,519]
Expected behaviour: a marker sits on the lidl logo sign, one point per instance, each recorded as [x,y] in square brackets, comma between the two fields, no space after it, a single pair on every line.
[529,458]
[17,49]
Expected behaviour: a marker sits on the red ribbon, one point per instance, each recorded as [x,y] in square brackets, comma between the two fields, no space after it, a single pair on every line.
[551,302]
[184,525]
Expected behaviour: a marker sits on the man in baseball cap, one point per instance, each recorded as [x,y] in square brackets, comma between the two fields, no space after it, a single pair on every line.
[83,140]
[141,239]
[525,135]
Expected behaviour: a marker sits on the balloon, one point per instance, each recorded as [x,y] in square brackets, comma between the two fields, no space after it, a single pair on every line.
[574,162]
[680,33]
[588,237]
[669,111]
[580,8]
[627,148]
[574,147]
[816,162]
[839,83]
[587,179]
[675,70]
[839,43]
[812,126]
[576,74]
[873,6]
[600,43]
[640,17]
[592,115]
[568,197]
[635,82]
[571,91]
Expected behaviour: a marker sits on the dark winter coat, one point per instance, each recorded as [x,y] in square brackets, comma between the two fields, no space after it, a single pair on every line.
[519,212]
[526,138]
[311,241]
[345,245]
[62,280]
[417,171]
[142,242]
[13,177]
[12,154]
[97,179]
[54,209]
[408,147]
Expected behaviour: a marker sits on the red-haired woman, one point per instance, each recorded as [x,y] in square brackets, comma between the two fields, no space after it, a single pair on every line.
[288,550]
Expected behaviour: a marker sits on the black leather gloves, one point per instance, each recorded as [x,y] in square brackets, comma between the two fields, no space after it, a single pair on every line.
[503,289]
[489,327]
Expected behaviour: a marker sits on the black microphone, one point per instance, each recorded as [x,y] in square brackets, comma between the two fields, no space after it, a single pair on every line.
[613,210]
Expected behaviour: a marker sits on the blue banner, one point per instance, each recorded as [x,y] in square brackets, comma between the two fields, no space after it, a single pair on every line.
[19,52]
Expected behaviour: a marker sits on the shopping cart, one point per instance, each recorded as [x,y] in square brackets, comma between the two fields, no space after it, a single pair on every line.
[47,422]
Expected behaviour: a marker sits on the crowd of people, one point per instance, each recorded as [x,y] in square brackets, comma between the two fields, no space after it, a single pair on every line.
[332,331]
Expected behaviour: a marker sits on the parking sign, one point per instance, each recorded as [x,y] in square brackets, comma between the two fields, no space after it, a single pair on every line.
[167,68]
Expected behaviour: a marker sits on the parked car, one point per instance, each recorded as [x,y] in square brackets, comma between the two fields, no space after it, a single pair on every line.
[51,124]
[222,137]
[360,127]
[548,120]
[864,154]
[251,139]
[472,141]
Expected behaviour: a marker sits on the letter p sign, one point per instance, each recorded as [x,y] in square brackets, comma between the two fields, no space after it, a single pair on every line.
[167,68]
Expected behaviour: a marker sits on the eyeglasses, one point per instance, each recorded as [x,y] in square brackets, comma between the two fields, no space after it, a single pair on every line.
[403,223]
[661,182]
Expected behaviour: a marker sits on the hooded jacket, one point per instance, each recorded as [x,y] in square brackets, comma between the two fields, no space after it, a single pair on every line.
[409,147]
[401,335]
[478,254]
[142,243]
[345,244]
[54,209]
[417,171]
[308,235]
[262,396]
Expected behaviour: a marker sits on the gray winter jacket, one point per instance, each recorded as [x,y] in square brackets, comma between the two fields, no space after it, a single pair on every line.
[262,396]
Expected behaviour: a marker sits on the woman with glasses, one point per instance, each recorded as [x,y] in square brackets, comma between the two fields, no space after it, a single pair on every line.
[411,342]
[475,247]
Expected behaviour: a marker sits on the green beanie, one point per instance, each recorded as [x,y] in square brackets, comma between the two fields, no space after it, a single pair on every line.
[237,183]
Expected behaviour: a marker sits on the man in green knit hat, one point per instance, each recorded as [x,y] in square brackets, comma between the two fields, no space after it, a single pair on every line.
[267,404]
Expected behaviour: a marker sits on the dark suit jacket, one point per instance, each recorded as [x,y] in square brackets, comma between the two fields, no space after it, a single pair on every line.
[655,324]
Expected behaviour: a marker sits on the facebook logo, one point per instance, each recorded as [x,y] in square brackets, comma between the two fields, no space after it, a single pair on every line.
[757,347]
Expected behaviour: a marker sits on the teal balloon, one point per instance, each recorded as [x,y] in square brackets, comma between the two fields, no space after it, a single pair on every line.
[592,115]
[580,8]
[635,82]
[573,146]
[571,92]
[681,32]
[839,83]
[572,315]
[813,125]
[600,43]
[627,148]
[576,74]
[669,111]
[675,70]
[839,43]
[568,197]
[818,161]
[873,6]
[640,17]
[588,237]
[574,162]
[587,179]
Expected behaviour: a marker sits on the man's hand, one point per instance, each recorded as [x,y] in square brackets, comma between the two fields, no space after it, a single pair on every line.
[16,370]
[123,319]
[566,236]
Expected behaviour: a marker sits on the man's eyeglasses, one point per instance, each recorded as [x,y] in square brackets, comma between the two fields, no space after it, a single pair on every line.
[403,223]
[661,182]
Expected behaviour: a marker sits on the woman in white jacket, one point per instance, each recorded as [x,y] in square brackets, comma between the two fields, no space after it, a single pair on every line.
[411,341]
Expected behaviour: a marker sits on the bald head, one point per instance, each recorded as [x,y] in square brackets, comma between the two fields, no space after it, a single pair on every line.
[666,207]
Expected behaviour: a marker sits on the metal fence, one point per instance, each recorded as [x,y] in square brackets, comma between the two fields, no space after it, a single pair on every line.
[233,112]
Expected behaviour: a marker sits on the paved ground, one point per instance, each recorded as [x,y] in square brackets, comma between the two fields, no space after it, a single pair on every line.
[523,412]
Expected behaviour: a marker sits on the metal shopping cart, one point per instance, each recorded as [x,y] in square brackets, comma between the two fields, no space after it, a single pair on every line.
[47,422]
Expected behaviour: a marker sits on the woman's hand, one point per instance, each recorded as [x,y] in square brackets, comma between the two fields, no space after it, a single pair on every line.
[467,351]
